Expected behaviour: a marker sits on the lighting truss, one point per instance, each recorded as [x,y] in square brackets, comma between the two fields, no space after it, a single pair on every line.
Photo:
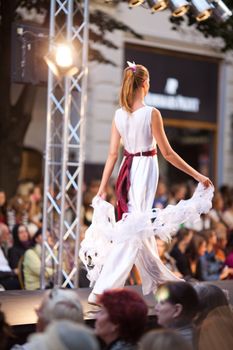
[65,139]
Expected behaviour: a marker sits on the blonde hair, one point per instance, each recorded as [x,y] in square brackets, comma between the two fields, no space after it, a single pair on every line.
[61,304]
[132,80]
[64,335]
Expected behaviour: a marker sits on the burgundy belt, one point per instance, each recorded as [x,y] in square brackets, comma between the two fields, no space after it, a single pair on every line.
[123,180]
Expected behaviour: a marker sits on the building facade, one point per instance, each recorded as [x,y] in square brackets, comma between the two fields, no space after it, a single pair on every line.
[191,84]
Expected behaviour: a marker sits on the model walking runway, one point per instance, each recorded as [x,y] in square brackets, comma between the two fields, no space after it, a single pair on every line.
[114,247]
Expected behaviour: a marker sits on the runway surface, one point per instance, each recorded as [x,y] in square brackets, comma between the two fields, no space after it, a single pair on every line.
[19,306]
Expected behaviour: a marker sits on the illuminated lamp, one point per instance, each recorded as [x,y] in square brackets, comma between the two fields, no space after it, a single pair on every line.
[61,60]
[178,7]
[201,9]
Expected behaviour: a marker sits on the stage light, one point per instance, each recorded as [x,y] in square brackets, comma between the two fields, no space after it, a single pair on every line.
[201,9]
[61,60]
[157,5]
[220,11]
[178,7]
[64,57]
[135,3]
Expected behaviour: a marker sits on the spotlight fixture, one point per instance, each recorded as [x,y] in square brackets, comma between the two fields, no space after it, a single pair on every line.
[157,5]
[135,3]
[201,9]
[220,11]
[178,7]
[61,60]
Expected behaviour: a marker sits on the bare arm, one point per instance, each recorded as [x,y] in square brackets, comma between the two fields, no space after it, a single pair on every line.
[169,154]
[111,160]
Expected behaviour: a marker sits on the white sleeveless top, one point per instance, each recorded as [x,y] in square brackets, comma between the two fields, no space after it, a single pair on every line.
[135,129]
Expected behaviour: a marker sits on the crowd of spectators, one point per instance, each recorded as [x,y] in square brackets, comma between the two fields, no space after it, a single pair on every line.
[20,238]
[189,317]
[200,250]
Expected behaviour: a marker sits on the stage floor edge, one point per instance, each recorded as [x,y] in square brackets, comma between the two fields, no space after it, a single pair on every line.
[19,306]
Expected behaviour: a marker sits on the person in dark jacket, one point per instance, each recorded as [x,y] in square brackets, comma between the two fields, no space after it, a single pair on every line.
[21,242]
[178,252]
[8,277]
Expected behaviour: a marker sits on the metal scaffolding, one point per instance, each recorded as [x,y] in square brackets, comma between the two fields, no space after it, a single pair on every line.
[65,140]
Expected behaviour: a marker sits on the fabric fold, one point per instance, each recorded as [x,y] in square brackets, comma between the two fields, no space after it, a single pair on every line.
[104,231]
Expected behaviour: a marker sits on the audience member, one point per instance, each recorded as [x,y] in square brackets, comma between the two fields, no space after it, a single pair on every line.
[216,213]
[8,277]
[214,319]
[121,320]
[176,307]
[21,242]
[7,238]
[167,259]
[210,297]
[178,252]
[32,264]
[57,304]
[216,330]
[87,208]
[35,210]
[228,214]
[161,196]
[195,249]
[209,268]
[165,339]
[64,335]
[178,192]
[3,207]
[5,332]
[220,247]
[18,210]
[226,192]
[229,253]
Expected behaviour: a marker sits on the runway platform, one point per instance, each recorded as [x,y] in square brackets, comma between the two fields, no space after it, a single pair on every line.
[19,306]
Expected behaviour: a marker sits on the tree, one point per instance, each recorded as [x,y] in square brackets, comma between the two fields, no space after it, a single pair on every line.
[15,120]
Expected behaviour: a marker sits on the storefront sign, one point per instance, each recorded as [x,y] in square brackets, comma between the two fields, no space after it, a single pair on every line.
[181,86]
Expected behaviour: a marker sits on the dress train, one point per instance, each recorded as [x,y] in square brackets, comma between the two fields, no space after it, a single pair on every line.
[110,248]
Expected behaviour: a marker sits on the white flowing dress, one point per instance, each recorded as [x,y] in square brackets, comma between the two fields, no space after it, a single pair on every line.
[110,248]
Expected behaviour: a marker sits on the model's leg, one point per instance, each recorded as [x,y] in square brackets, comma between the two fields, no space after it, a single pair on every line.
[144,179]
[117,267]
[152,270]
[123,255]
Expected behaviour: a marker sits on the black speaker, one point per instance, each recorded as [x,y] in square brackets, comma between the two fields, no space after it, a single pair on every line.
[29,44]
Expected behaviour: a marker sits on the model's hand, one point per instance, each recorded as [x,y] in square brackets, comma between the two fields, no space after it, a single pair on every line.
[204,180]
[102,194]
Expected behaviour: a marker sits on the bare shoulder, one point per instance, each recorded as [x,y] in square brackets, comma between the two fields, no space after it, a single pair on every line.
[156,115]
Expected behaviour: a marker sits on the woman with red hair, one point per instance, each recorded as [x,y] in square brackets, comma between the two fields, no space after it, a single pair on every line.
[122,319]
